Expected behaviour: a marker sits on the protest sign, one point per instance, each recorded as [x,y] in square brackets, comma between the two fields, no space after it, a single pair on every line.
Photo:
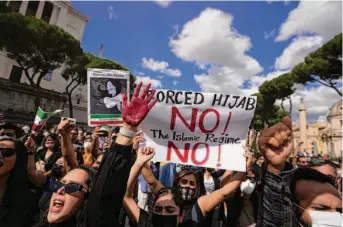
[201,129]
[104,95]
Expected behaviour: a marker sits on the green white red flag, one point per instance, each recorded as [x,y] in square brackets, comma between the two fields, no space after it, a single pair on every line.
[41,119]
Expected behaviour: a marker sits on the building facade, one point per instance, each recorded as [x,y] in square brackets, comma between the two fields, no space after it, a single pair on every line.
[16,95]
[323,136]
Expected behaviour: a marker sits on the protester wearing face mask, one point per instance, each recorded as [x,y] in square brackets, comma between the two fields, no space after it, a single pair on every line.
[316,202]
[49,153]
[196,207]
[242,206]
[167,206]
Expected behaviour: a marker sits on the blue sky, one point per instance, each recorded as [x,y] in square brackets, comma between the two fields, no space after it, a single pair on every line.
[229,47]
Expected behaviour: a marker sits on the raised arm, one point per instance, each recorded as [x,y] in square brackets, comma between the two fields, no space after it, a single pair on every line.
[67,147]
[95,145]
[276,144]
[208,202]
[143,155]
[106,198]
[36,177]
[154,185]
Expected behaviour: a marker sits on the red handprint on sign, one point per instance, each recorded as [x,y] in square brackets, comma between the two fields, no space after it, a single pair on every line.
[140,105]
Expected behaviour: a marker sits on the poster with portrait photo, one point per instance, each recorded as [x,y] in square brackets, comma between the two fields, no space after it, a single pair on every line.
[105,87]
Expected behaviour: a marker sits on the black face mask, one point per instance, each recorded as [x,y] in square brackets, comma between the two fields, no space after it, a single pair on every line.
[188,195]
[56,171]
[164,220]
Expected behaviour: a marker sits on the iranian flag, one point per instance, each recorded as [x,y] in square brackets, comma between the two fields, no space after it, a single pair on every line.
[41,119]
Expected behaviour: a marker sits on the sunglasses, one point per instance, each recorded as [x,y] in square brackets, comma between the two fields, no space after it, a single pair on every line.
[7,152]
[69,188]
[9,134]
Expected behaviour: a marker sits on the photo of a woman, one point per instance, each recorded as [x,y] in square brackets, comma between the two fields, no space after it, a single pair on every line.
[105,95]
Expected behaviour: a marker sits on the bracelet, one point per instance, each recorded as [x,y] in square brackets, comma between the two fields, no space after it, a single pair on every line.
[127,133]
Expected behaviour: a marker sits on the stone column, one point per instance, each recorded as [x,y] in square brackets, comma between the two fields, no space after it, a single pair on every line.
[40,9]
[303,124]
[23,7]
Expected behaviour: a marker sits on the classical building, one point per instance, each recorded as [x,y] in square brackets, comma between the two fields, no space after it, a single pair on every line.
[16,96]
[324,136]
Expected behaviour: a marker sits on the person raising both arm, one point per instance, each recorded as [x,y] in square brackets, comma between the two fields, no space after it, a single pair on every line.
[196,206]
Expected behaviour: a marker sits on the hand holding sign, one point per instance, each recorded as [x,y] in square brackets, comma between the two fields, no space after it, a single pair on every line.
[276,142]
[135,112]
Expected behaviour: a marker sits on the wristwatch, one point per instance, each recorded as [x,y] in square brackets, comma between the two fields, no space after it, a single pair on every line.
[127,133]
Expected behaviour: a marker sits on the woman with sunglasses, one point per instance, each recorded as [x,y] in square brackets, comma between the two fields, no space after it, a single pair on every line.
[13,184]
[81,201]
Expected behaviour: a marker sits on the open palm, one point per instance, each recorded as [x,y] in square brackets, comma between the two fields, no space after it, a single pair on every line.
[135,112]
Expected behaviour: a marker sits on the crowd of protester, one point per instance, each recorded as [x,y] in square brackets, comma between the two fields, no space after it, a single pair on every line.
[66,176]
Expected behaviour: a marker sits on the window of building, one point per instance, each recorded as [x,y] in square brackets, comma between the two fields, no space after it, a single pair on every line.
[32,8]
[15,75]
[47,11]
[15,5]
[341,122]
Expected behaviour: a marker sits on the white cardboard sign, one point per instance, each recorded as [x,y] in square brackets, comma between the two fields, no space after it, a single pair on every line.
[201,129]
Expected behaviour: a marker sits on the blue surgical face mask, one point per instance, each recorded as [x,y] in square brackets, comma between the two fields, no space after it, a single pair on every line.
[323,218]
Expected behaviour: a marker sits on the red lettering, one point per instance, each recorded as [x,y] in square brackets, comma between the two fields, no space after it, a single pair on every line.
[183,157]
[175,112]
[194,150]
[202,117]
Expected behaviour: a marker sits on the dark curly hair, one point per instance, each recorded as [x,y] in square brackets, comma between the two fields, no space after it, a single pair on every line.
[102,92]
[78,219]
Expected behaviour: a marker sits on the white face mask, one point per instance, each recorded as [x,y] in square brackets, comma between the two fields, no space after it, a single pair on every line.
[87,144]
[324,218]
[247,187]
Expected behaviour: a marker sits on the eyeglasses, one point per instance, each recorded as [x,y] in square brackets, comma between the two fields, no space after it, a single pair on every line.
[9,134]
[69,188]
[7,152]
[303,162]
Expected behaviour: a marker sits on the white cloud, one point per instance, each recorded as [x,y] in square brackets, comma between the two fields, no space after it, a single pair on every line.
[317,100]
[297,51]
[163,3]
[175,82]
[270,34]
[160,77]
[160,66]
[223,51]
[313,17]
[146,79]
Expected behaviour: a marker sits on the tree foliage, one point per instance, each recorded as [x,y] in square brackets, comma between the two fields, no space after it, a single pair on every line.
[284,88]
[322,66]
[36,46]
[261,119]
